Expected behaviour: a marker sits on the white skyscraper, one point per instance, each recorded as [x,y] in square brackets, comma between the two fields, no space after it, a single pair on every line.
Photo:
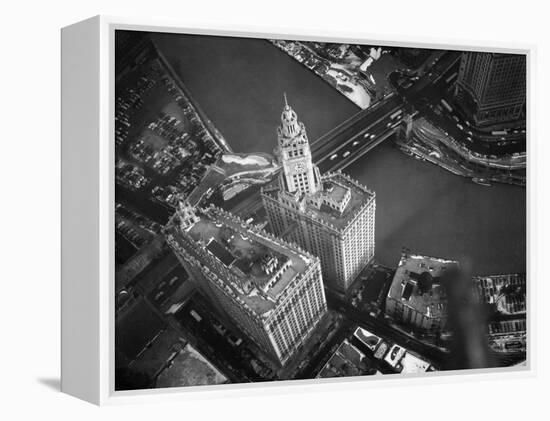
[272,290]
[332,216]
[294,154]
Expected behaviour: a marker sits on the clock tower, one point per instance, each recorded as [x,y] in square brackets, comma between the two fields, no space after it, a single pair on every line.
[294,154]
[330,215]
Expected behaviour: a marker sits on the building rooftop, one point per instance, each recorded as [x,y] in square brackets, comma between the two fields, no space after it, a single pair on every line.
[336,191]
[337,188]
[417,284]
[262,266]
[154,358]
[256,168]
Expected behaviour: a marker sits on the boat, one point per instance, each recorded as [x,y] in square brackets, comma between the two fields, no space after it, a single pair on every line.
[481,181]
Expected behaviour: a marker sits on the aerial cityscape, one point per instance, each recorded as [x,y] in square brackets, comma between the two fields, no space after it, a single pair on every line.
[306,210]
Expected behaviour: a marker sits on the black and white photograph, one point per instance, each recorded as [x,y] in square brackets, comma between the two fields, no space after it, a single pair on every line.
[277,210]
[300,209]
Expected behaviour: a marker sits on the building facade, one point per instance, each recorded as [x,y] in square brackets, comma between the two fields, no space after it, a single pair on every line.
[491,87]
[272,290]
[507,329]
[331,215]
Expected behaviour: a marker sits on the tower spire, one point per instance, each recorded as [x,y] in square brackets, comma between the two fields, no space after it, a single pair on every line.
[186,214]
[294,154]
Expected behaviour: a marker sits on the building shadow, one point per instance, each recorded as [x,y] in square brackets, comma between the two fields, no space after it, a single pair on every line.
[53,383]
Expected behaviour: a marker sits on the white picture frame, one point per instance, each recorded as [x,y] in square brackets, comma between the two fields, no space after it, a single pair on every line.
[88,214]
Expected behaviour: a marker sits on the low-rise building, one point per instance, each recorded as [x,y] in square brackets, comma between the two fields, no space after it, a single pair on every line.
[375,344]
[347,361]
[272,290]
[331,215]
[417,296]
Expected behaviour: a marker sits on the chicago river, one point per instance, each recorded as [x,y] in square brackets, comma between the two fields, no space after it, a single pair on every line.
[239,83]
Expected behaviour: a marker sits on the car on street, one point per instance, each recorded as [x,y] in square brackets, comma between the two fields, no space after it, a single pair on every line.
[220,328]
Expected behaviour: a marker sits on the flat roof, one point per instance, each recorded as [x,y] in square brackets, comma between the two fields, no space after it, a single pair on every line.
[338,191]
[370,340]
[406,289]
[413,364]
[338,183]
[243,251]
[190,368]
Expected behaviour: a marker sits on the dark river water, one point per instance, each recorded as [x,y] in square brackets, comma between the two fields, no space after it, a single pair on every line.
[240,82]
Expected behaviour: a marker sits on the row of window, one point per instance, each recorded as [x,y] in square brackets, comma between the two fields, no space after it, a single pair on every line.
[298,316]
[295,152]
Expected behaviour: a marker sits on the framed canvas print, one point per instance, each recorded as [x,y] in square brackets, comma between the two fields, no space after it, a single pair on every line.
[246,210]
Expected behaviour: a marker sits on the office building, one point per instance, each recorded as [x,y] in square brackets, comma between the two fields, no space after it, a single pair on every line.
[330,215]
[271,290]
[417,297]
